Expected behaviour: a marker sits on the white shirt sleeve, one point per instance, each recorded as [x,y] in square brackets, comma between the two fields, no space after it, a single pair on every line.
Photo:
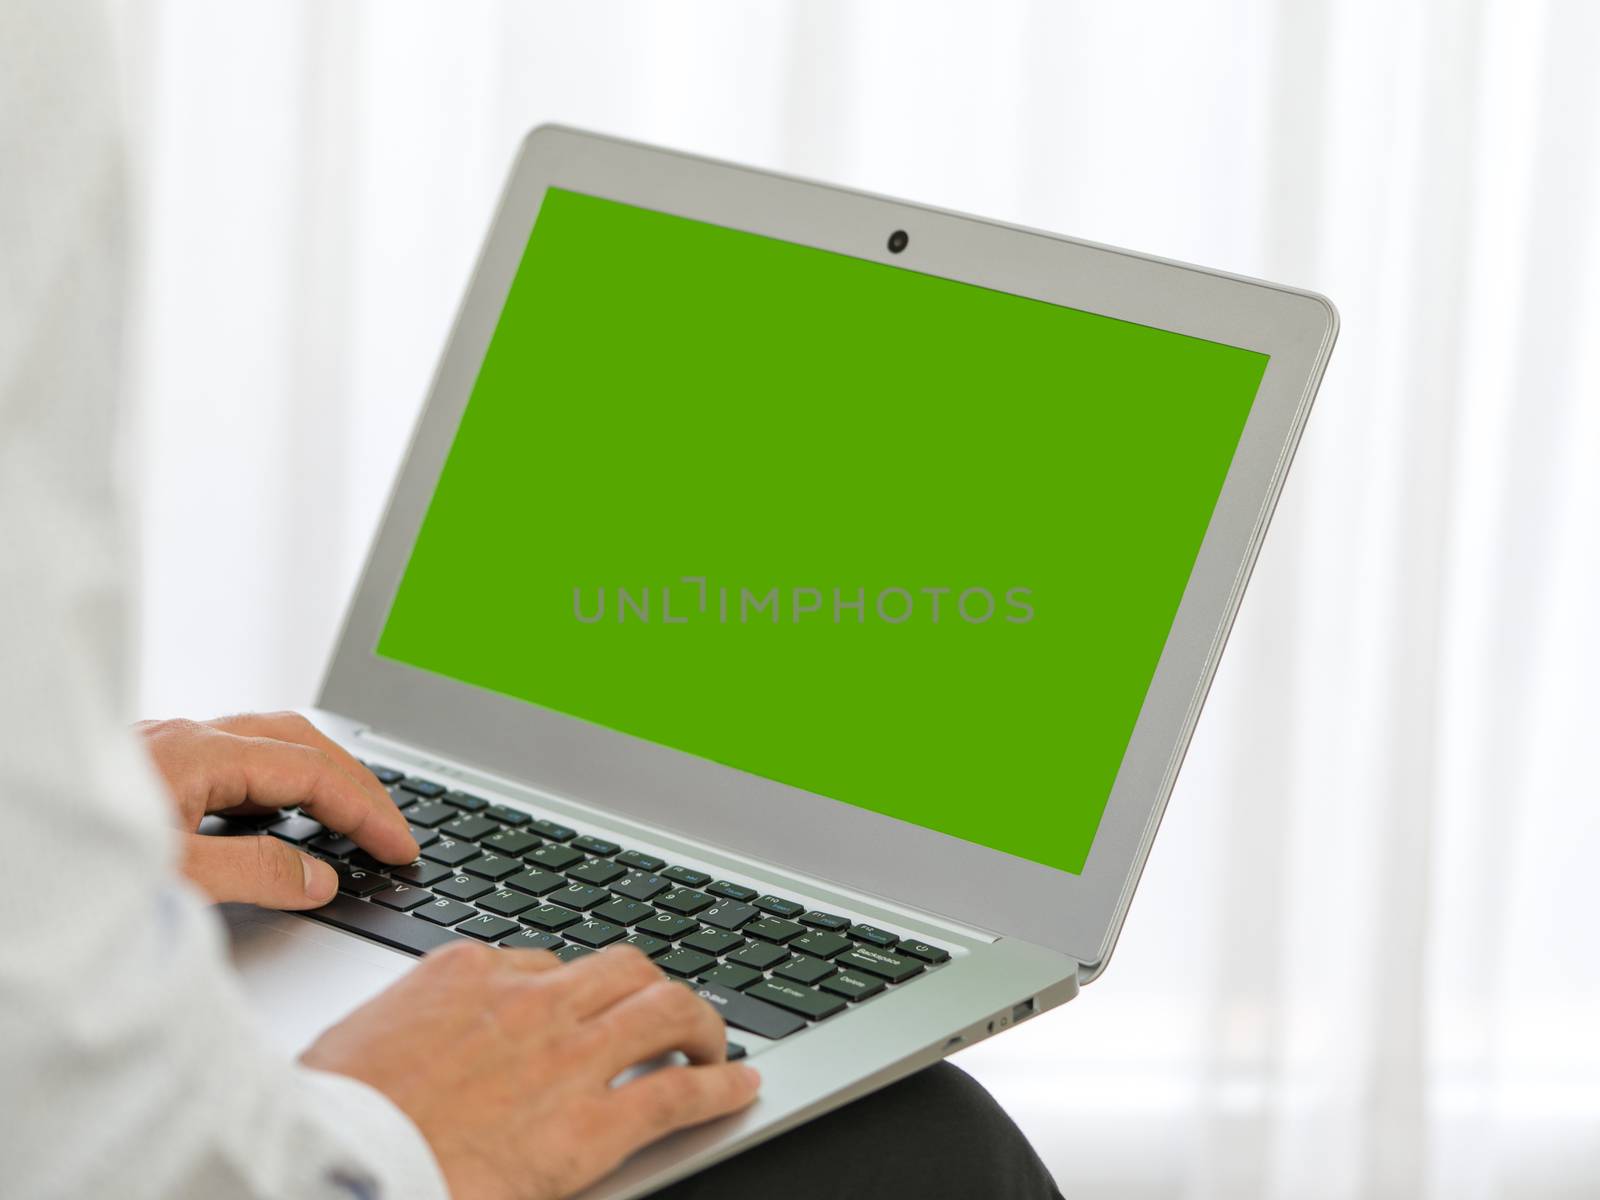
[129,1064]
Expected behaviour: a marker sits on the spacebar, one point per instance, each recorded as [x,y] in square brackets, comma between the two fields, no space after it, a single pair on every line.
[752,1016]
[381,924]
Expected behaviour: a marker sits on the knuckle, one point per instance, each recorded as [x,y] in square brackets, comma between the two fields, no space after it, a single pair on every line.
[463,957]
[682,1005]
[275,862]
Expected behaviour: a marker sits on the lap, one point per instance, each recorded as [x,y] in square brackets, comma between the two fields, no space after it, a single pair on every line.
[935,1133]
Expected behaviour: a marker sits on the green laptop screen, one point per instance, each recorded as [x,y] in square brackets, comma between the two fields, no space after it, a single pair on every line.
[911,544]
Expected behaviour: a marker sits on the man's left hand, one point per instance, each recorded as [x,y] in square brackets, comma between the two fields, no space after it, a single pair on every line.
[258,762]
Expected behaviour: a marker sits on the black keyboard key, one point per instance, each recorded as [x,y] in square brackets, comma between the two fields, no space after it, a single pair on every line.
[641,862]
[534,881]
[759,955]
[353,881]
[450,852]
[296,829]
[444,912]
[595,934]
[639,886]
[794,997]
[429,815]
[549,829]
[387,776]
[464,887]
[568,953]
[402,798]
[622,912]
[367,862]
[506,903]
[402,897]
[486,927]
[773,929]
[425,788]
[494,866]
[780,907]
[730,975]
[333,845]
[687,876]
[735,1052]
[683,900]
[728,915]
[822,920]
[598,871]
[820,943]
[550,916]
[648,944]
[927,953]
[466,801]
[667,925]
[468,828]
[553,858]
[802,968]
[881,963]
[422,874]
[752,1016]
[507,815]
[512,842]
[531,939]
[423,835]
[715,942]
[391,928]
[874,935]
[684,963]
[594,845]
[852,986]
[731,891]
[580,897]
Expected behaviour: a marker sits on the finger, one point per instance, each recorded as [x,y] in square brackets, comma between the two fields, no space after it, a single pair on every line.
[257,870]
[654,1105]
[292,727]
[595,982]
[529,962]
[276,774]
[655,1020]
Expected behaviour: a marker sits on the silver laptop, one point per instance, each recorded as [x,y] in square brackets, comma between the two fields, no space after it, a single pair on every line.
[815,590]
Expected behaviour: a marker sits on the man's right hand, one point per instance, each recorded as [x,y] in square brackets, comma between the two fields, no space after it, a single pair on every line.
[504,1060]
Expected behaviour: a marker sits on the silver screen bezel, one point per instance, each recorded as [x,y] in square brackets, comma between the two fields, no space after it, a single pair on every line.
[1079,915]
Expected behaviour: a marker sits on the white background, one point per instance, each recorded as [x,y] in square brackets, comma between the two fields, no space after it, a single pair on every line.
[1365,958]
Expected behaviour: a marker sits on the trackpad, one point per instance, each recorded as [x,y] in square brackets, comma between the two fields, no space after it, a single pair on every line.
[300,977]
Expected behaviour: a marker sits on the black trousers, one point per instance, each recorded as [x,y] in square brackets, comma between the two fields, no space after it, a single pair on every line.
[936,1133]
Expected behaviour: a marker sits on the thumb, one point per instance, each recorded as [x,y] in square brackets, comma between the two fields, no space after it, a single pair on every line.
[257,870]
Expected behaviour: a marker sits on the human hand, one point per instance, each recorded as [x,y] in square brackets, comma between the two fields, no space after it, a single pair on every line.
[504,1060]
[255,763]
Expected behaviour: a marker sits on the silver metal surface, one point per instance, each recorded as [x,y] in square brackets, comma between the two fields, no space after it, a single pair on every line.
[301,977]
[1078,915]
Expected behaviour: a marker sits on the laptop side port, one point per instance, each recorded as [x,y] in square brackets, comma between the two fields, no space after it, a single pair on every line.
[1021,1012]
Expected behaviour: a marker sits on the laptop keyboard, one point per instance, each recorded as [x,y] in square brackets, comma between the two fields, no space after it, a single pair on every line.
[488,871]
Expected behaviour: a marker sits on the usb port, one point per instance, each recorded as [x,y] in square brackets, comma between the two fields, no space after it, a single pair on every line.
[1021,1012]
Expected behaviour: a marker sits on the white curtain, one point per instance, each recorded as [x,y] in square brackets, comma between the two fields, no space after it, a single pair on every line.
[1365,960]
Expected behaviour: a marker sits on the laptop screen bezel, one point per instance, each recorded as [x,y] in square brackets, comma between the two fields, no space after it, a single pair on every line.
[1078,915]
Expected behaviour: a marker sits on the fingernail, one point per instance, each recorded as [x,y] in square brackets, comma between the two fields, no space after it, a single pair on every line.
[320,880]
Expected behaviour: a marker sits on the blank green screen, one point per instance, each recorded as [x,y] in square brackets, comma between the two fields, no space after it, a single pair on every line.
[942,530]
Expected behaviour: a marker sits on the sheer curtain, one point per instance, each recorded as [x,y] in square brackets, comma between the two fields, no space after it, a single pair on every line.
[1365,959]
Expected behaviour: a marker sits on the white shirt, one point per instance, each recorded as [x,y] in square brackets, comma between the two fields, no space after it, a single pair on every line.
[129,1065]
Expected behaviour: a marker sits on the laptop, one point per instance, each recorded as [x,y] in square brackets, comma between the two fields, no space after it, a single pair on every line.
[815,590]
